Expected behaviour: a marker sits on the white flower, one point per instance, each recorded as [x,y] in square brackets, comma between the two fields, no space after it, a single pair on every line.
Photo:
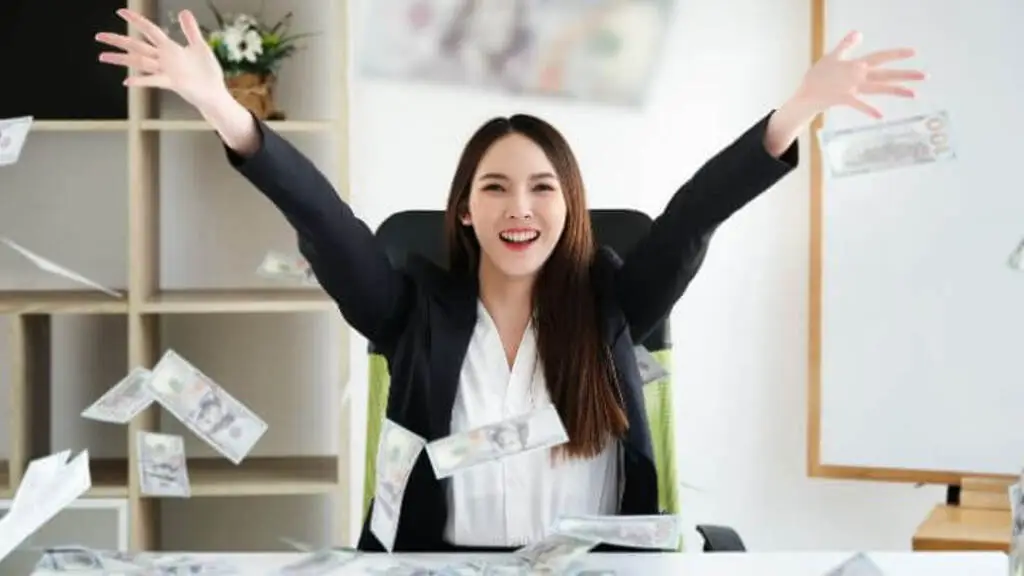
[242,44]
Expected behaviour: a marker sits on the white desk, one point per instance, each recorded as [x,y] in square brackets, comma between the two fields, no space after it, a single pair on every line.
[693,564]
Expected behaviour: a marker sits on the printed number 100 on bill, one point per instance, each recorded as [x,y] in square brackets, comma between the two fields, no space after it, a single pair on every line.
[920,139]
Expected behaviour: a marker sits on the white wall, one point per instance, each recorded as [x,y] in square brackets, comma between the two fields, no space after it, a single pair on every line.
[740,332]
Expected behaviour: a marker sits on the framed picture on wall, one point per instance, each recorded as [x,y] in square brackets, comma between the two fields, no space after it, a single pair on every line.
[593,50]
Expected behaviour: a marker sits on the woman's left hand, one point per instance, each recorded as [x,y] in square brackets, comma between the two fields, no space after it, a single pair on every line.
[835,80]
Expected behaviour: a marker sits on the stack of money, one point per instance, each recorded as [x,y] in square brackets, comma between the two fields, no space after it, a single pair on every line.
[916,140]
[202,405]
[655,532]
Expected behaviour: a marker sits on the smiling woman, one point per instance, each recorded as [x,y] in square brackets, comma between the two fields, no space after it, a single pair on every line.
[500,332]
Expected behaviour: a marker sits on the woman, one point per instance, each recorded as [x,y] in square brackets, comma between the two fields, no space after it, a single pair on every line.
[529,312]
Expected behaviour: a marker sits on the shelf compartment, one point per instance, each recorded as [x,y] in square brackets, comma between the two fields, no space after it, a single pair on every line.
[61,302]
[109,478]
[242,301]
[203,126]
[263,476]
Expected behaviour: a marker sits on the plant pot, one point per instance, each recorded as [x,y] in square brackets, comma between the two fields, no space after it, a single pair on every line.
[256,93]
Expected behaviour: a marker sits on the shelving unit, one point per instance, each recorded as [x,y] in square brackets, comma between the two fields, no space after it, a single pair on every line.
[148,306]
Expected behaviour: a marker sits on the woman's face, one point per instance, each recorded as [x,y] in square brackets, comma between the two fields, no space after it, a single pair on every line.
[516,207]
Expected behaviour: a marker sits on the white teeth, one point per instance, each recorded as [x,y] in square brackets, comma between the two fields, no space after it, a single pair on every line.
[519,236]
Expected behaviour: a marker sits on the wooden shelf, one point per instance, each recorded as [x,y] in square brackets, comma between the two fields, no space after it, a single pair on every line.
[39,341]
[173,125]
[80,125]
[238,301]
[257,476]
[61,302]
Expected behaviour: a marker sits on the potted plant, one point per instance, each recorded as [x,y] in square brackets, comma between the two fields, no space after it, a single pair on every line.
[251,52]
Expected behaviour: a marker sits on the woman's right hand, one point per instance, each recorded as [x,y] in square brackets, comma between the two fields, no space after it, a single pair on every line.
[191,71]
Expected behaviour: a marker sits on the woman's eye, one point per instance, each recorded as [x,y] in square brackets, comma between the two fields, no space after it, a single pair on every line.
[544,187]
[493,188]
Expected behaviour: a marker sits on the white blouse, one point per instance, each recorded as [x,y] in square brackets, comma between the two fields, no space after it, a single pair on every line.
[515,501]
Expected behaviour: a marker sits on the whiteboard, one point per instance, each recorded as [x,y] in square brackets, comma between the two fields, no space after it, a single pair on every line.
[921,373]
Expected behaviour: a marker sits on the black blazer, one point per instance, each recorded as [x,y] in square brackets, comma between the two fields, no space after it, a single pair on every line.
[421,317]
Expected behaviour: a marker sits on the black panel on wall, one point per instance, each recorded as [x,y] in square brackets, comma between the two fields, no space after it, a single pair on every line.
[50,68]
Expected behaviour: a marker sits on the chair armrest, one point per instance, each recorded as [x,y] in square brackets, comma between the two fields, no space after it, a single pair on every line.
[720,538]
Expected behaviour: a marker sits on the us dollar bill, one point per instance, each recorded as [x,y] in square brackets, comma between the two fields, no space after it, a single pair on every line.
[536,430]
[212,414]
[655,532]
[920,139]
[650,369]
[123,401]
[163,468]
[279,266]
[554,554]
[397,453]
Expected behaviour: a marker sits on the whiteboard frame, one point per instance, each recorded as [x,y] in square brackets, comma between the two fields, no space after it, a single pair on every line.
[816,468]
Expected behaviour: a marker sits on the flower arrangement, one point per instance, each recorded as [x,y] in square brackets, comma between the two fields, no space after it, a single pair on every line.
[251,53]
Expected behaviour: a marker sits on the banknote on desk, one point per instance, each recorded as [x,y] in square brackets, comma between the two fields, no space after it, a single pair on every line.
[554,554]
[397,453]
[654,532]
[537,430]
[124,401]
[920,139]
[163,468]
[205,408]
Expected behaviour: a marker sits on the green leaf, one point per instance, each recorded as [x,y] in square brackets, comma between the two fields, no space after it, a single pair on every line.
[216,14]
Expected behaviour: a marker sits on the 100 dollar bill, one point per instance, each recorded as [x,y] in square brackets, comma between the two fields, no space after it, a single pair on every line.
[537,430]
[920,139]
[654,532]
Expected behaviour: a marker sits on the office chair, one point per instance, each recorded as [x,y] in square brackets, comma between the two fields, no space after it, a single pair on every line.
[422,232]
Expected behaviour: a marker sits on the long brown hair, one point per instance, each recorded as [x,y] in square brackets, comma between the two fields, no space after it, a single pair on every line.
[577,364]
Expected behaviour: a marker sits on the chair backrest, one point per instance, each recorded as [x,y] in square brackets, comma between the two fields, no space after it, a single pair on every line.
[422,232]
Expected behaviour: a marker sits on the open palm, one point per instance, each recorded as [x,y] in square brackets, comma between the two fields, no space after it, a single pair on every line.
[836,80]
[191,71]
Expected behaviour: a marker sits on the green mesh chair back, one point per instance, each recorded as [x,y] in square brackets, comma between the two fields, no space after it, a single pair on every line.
[421,231]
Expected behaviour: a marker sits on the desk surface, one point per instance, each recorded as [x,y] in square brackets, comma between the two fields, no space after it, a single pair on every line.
[691,564]
[955,528]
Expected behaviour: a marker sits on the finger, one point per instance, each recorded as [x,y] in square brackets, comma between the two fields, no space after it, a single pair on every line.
[148,81]
[884,75]
[127,44]
[132,61]
[890,89]
[862,106]
[849,42]
[883,56]
[151,31]
[191,28]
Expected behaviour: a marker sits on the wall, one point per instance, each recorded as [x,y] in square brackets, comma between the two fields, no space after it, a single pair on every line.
[740,331]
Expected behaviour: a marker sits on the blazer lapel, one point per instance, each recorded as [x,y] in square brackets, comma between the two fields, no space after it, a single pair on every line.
[451,327]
